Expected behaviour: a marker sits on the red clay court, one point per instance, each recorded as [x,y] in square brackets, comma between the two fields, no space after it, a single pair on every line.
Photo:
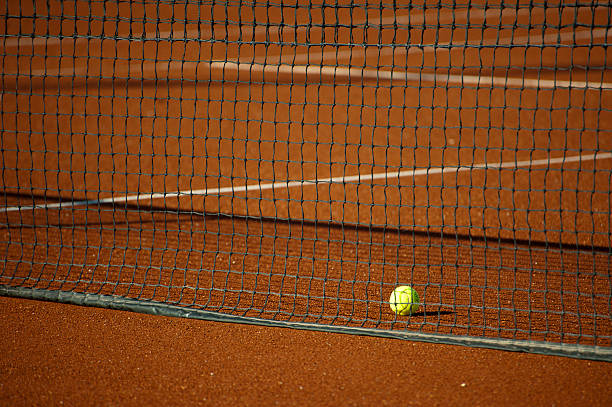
[288,164]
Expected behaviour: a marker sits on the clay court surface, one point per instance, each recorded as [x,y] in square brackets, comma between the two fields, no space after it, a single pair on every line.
[56,354]
[247,186]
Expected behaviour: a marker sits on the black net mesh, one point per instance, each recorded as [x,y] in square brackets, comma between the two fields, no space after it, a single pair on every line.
[296,161]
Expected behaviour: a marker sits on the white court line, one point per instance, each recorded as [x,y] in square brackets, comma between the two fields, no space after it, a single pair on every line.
[402,76]
[335,71]
[12,42]
[441,17]
[446,47]
[271,63]
[331,72]
[321,181]
[161,70]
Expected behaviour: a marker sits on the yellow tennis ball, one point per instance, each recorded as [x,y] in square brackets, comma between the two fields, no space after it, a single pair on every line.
[404,300]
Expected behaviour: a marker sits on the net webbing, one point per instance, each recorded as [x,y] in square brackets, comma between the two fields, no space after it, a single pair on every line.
[293,162]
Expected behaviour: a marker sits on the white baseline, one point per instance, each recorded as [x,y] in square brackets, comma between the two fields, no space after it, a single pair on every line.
[320,181]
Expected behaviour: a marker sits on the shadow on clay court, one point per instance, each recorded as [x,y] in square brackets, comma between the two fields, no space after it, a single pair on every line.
[111,210]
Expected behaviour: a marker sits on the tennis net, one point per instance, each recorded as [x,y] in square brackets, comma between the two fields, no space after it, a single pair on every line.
[291,163]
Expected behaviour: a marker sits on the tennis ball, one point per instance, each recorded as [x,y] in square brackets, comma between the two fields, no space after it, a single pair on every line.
[404,300]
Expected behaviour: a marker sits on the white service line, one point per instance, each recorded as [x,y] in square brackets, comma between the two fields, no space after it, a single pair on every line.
[333,180]
[163,70]
[443,16]
[401,76]
[272,63]
[550,39]
[446,16]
